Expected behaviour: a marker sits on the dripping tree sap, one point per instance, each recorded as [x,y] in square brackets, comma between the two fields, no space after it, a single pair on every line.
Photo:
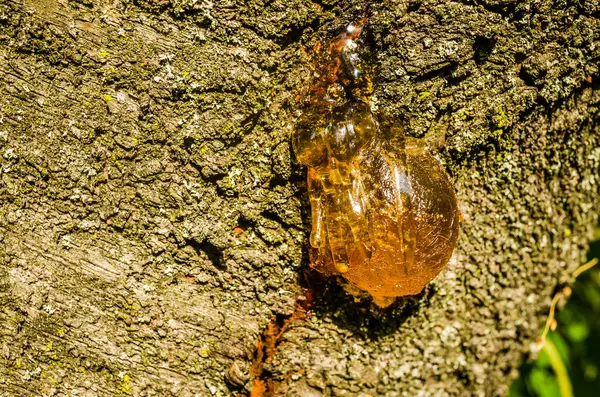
[384,212]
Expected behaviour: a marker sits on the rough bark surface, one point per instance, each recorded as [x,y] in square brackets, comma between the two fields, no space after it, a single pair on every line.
[153,220]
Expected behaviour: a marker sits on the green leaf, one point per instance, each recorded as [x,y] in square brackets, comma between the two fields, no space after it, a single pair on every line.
[543,383]
[577,332]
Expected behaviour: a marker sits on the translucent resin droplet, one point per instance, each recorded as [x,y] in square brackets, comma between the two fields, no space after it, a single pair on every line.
[384,212]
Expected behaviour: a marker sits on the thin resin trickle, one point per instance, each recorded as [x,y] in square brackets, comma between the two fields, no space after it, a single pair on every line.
[384,213]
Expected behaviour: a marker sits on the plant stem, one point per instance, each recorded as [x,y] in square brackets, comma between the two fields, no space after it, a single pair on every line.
[562,376]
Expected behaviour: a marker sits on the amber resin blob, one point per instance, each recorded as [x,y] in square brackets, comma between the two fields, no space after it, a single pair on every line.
[384,212]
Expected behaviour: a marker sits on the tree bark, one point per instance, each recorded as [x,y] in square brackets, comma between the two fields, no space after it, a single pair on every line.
[153,221]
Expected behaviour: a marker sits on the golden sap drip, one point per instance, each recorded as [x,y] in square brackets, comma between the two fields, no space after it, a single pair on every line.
[384,212]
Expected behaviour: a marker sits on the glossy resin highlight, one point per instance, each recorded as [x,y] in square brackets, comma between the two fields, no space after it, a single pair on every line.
[384,212]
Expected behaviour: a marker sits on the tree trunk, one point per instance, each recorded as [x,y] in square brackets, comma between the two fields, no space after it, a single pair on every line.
[153,221]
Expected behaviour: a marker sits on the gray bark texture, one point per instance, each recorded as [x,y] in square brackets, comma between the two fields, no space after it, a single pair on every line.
[153,220]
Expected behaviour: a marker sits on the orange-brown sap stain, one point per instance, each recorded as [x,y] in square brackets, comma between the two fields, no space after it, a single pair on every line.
[384,212]
[263,385]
